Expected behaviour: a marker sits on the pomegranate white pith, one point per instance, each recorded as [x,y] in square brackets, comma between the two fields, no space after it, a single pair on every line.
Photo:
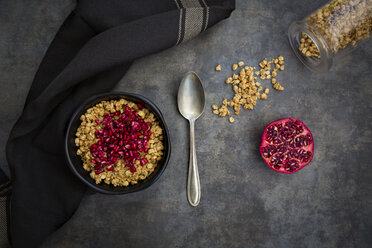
[287,145]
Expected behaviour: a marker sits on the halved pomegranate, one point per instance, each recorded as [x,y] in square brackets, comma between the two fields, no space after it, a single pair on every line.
[287,145]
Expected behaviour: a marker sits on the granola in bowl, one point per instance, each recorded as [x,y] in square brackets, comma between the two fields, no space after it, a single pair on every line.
[120,142]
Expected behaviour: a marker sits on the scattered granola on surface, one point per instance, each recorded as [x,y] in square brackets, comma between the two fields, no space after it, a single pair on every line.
[277,86]
[218,68]
[246,87]
[119,142]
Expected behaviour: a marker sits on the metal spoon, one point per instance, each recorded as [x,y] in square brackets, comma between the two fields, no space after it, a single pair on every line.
[191,101]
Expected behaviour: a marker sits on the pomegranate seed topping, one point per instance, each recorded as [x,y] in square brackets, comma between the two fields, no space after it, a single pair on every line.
[123,136]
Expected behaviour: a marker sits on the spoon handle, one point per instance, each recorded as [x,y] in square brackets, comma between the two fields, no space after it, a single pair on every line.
[193,183]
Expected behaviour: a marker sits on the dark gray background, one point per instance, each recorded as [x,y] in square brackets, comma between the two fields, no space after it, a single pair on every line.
[244,203]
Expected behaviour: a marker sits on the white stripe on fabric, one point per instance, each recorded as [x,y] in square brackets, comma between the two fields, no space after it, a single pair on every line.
[179,28]
[206,19]
[193,23]
[190,3]
[178,6]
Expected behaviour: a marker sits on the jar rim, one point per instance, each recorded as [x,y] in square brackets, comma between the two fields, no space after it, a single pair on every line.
[319,65]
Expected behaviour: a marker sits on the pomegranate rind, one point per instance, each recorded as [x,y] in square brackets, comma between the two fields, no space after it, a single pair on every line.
[308,148]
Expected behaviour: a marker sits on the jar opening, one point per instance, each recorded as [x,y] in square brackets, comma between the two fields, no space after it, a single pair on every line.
[319,59]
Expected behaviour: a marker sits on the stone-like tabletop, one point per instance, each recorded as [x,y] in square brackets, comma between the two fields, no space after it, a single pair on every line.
[244,203]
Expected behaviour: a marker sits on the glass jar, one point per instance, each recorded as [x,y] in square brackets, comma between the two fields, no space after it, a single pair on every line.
[331,30]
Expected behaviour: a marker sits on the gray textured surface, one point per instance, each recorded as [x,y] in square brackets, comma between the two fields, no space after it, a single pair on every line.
[244,203]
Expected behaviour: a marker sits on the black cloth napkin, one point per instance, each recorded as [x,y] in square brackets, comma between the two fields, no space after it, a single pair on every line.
[91,52]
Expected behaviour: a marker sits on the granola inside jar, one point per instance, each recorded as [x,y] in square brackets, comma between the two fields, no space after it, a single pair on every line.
[331,30]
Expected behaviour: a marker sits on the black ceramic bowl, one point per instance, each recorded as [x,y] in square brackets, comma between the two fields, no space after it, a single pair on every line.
[76,164]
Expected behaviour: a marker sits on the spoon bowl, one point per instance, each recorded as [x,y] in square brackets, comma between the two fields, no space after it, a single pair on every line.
[191,97]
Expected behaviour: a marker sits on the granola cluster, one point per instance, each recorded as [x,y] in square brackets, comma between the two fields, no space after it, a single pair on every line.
[120,174]
[341,23]
[246,87]
[308,47]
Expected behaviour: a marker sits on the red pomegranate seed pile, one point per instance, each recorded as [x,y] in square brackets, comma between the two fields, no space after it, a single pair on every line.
[122,136]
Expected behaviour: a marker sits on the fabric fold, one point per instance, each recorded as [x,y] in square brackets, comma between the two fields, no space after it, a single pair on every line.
[91,52]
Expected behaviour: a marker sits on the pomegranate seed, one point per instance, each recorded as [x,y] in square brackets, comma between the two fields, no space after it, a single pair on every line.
[122,136]
[143,162]
[287,145]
